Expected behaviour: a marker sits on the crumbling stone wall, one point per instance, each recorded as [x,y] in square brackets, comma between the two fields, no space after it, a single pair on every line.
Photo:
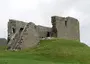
[14,26]
[66,28]
[43,31]
[23,35]
[30,37]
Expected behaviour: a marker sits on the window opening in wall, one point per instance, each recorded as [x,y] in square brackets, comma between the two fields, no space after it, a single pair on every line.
[21,29]
[8,39]
[65,23]
[13,30]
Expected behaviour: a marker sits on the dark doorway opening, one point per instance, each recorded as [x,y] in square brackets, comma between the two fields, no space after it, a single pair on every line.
[48,34]
[66,23]
[13,30]
[8,39]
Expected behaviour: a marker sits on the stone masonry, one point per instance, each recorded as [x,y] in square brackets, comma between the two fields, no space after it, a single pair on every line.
[22,35]
[65,28]
[43,31]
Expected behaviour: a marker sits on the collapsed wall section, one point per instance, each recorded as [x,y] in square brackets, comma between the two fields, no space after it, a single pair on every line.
[30,37]
[22,35]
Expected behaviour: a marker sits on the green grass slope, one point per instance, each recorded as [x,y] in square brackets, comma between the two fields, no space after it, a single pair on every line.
[56,51]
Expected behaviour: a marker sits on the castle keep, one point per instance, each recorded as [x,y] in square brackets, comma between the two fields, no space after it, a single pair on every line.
[66,28]
[22,35]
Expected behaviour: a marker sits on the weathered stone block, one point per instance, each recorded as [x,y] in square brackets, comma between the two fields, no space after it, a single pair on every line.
[31,39]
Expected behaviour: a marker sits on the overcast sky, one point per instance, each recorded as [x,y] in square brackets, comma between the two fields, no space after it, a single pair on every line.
[40,11]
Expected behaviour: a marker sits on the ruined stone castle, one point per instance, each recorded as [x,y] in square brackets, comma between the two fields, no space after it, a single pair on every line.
[22,35]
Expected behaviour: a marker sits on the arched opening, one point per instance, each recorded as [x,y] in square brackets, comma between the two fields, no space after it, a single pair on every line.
[21,29]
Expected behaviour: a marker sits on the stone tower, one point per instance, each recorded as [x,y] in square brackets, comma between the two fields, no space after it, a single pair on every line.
[65,28]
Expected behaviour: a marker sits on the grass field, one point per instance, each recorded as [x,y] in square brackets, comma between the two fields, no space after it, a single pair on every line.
[56,51]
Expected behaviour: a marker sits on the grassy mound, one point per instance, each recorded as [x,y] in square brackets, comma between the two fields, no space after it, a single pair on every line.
[56,51]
